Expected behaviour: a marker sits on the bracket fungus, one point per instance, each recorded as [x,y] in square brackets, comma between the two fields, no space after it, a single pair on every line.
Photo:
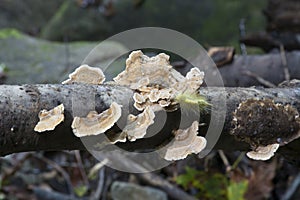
[156,84]
[94,123]
[50,119]
[139,98]
[156,70]
[135,128]
[156,94]
[155,81]
[86,74]
[263,152]
[194,79]
[155,98]
[273,124]
[185,142]
[137,125]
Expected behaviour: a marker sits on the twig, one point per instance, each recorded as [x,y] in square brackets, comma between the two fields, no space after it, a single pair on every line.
[97,167]
[242,29]
[50,195]
[225,160]
[60,169]
[259,79]
[238,160]
[98,193]
[173,191]
[284,63]
[292,188]
[106,186]
[152,179]
[81,168]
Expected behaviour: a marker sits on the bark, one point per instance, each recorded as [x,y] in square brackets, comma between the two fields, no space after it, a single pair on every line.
[20,105]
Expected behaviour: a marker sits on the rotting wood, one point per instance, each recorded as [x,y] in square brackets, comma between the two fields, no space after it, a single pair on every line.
[20,105]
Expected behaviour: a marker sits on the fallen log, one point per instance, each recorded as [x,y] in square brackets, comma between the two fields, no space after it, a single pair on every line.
[268,41]
[20,105]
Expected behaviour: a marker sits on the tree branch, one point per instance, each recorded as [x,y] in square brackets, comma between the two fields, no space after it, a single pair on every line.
[20,105]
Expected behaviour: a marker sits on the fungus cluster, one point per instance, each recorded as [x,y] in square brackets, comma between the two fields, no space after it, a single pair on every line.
[274,124]
[155,81]
[156,85]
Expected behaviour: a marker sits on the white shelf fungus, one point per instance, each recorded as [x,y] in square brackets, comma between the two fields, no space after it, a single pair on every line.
[194,79]
[50,119]
[139,98]
[157,69]
[135,128]
[263,152]
[86,74]
[156,84]
[137,125]
[94,123]
[155,81]
[185,142]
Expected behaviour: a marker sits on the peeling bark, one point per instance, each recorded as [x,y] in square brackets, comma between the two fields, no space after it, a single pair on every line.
[20,105]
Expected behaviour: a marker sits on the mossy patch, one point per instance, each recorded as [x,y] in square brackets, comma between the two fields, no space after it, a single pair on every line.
[10,33]
[264,122]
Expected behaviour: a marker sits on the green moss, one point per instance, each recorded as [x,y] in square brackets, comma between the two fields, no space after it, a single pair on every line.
[9,32]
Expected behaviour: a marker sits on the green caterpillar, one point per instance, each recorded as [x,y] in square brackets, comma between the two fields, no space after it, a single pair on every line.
[192,101]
